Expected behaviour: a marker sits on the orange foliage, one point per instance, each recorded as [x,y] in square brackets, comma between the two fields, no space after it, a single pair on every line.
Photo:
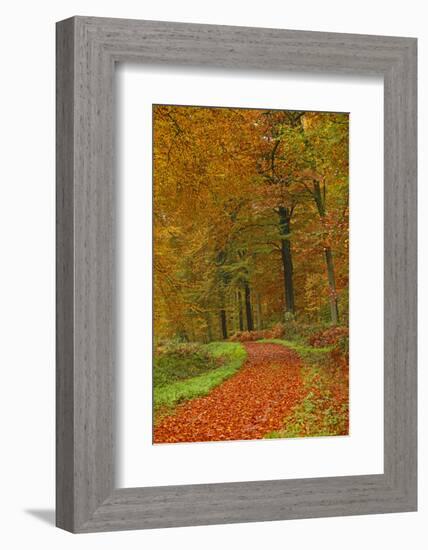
[278,331]
[328,337]
[220,176]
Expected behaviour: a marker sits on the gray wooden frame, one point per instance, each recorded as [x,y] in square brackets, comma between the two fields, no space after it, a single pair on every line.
[87,50]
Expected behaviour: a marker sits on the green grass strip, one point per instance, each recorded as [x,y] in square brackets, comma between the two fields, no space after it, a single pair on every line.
[169,396]
[308,353]
[306,420]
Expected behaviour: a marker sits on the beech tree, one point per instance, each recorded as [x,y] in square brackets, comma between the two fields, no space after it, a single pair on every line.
[248,205]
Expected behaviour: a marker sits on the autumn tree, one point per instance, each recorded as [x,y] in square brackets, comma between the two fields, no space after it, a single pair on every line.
[244,201]
[325,138]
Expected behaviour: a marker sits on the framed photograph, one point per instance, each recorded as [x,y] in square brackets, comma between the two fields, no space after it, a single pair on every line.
[236,274]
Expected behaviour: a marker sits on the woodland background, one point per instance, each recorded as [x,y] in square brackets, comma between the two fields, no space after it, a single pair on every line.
[250,220]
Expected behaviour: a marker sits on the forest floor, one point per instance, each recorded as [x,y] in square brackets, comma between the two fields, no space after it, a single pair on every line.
[252,404]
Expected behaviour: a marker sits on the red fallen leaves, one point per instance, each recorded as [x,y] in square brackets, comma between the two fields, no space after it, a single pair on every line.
[248,405]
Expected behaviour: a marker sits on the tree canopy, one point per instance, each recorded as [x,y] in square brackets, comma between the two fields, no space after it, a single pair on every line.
[250,219]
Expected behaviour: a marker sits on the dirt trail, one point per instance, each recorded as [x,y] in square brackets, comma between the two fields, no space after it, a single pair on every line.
[248,405]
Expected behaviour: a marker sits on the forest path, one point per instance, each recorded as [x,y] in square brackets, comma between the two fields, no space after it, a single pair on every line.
[250,404]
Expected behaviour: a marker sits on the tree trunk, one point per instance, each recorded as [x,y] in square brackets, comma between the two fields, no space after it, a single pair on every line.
[223,322]
[240,312]
[334,307]
[287,263]
[209,329]
[250,324]
[259,312]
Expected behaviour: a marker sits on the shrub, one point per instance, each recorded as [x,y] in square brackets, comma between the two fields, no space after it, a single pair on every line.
[247,336]
[340,351]
[338,339]
[176,361]
[277,331]
[328,337]
[181,349]
[319,336]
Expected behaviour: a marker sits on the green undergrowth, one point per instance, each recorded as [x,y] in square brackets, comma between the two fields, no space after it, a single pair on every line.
[180,361]
[323,409]
[175,380]
[307,353]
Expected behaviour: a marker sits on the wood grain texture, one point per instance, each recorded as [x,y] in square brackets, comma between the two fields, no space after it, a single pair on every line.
[64,277]
[87,50]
